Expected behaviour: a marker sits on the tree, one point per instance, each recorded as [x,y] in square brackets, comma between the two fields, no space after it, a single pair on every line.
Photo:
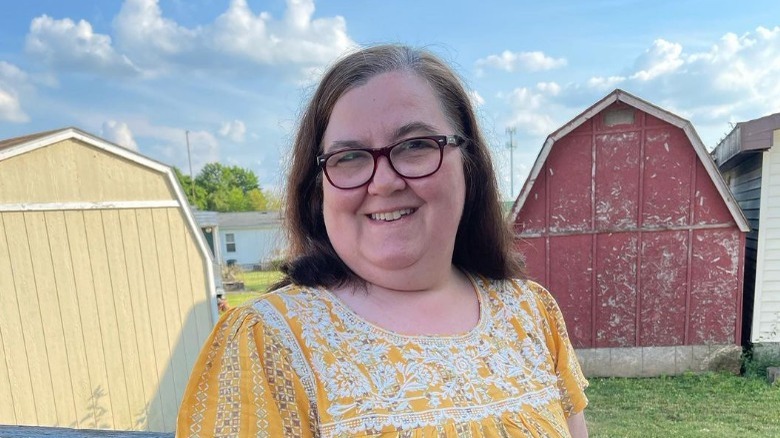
[226,188]
[257,200]
[198,198]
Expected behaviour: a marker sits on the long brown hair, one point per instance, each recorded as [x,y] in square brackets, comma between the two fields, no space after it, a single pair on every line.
[483,243]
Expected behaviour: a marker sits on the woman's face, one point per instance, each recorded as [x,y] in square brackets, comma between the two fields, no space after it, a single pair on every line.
[363,224]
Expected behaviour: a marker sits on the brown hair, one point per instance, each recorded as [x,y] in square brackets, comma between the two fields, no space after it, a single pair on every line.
[483,243]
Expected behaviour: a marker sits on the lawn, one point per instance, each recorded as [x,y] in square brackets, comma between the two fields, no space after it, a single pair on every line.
[704,405]
[255,284]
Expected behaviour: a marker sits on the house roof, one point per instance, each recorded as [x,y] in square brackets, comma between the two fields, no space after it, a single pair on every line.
[619,95]
[242,219]
[747,137]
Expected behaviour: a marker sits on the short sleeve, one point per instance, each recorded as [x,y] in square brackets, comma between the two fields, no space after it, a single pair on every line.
[571,381]
[243,384]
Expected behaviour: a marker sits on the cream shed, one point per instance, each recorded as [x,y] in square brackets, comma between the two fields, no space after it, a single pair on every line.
[106,285]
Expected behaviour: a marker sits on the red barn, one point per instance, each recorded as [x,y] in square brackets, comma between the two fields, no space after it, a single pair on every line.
[625,218]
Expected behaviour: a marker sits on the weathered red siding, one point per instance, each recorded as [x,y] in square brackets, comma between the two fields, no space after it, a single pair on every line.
[626,228]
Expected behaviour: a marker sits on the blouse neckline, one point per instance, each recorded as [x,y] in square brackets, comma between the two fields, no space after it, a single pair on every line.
[356,320]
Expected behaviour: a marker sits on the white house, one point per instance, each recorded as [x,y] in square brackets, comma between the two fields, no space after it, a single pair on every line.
[251,239]
[749,159]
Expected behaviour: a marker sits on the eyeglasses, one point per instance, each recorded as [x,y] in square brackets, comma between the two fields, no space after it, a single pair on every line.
[412,158]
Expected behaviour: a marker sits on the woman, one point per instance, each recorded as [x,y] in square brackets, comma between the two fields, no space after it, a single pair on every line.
[399,314]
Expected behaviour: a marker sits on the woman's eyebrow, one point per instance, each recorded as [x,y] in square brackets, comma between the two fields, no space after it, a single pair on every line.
[419,128]
[344,144]
[412,128]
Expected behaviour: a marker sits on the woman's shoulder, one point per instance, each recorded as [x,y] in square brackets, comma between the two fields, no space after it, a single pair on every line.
[519,293]
[514,286]
[268,307]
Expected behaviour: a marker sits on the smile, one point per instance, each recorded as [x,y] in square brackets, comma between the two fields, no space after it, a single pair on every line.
[391,215]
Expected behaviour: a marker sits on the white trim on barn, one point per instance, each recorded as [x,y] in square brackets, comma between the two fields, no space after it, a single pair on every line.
[629,99]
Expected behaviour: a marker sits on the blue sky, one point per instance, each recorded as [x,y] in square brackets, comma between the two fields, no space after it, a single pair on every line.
[236,74]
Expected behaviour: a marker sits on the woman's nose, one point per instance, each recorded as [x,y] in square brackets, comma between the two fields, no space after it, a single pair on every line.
[386,180]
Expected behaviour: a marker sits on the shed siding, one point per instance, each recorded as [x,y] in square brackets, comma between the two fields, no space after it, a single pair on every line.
[745,183]
[766,325]
[83,174]
[92,313]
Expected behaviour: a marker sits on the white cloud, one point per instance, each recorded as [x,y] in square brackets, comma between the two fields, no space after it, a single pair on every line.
[297,38]
[147,42]
[10,109]
[550,88]
[605,84]
[119,133]
[169,144]
[12,78]
[738,74]
[476,99]
[235,130]
[662,58]
[520,61]
[67,45]
[530,112]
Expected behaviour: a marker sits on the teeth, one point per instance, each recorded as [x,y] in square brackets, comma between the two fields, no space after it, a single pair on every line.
[391,215]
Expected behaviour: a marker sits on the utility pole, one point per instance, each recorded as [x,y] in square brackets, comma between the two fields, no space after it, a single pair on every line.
[189,158]
[511,131]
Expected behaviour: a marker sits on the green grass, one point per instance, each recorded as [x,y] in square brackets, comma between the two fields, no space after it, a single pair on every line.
[256,283]
[705,405]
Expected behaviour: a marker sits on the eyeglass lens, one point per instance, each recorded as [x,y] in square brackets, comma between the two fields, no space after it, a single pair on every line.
[414,158]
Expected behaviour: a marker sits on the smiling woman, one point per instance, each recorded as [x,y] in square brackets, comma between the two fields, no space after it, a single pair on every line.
[403,310]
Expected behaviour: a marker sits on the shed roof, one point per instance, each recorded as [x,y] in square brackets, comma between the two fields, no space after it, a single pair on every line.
[619,95]
[19,145]
[7,143]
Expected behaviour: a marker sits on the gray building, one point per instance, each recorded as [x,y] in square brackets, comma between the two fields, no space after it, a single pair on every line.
[749,159]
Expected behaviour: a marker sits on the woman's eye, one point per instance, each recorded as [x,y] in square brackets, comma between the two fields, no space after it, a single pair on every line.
[417,145]
[349,157]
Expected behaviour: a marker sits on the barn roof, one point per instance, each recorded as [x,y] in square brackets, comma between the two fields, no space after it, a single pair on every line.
[621,96]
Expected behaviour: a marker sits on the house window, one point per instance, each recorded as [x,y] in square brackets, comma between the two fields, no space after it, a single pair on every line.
[230,240]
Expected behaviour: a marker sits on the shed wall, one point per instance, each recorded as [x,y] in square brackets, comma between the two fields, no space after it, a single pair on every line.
[78,172]
[766,322]
[103,310]
[625,226]
[102,314]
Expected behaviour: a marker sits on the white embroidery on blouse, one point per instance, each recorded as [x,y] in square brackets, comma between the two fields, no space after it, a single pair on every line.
[374,378]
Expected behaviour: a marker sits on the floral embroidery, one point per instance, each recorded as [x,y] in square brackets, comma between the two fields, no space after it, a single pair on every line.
[515,370]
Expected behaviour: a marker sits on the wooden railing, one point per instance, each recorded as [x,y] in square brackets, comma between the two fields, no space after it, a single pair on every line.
[36,432]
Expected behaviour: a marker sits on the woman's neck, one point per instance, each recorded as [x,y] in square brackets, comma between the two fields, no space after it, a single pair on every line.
[450,307]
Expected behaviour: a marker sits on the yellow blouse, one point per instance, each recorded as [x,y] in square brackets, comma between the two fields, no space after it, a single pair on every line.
[297,363]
